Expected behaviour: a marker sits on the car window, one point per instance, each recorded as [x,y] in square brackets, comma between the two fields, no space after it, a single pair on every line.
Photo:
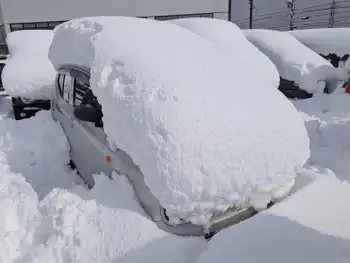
[83,94]
[81,87]
[60,82]
[68,88]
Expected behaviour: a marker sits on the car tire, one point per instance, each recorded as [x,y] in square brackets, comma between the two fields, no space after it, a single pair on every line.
[17,113]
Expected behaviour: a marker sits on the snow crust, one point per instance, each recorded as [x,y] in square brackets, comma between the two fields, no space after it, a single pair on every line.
[311,226]
[231,40]
[204,138]
[28,71]
[295,61]
[325,40]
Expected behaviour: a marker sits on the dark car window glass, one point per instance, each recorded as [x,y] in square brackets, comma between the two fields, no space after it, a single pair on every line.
[83,94]
[60,82]
[1,69]
[80,90]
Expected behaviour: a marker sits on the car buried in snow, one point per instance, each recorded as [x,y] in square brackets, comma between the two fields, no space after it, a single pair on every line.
[76,108]
[200,159]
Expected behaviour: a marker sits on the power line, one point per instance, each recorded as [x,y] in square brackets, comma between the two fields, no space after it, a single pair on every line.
[312,8]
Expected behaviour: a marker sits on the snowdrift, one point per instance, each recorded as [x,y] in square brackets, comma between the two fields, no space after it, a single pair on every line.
[230,39]
[303,228]
[294,61]
[204,139]
[28,71]
[69,223]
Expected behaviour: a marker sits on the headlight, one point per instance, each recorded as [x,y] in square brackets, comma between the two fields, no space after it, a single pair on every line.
[27,100]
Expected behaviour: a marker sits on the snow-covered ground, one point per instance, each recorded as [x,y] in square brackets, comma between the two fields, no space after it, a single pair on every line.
[311,226]
[47,217]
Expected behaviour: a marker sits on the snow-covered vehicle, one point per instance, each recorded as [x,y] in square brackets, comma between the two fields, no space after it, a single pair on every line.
[303,72]
[28,75]
[136,97]
[331,43]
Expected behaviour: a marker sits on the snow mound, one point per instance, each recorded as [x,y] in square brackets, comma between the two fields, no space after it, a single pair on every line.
[229,38]
[75,230]
[325,40]
[97,226]
[37,162]
[18,204]
[311,226]
[294,61]
[28,71]
[183,111]
[327,121]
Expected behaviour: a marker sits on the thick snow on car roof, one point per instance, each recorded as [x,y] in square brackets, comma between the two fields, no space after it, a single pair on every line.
[325,40]
[294,61]
[230,39]
[28,71]
[203,132]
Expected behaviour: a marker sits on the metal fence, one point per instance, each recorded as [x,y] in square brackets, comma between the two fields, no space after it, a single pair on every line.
[336,13]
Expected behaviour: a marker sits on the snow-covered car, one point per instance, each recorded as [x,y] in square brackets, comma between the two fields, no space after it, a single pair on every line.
[303,72]
[28,75]
[331,43]
[136,97]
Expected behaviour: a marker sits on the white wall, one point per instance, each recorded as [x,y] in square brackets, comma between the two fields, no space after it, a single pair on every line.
[57,10]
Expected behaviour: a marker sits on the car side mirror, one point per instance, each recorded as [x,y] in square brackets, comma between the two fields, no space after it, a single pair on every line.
[88,114]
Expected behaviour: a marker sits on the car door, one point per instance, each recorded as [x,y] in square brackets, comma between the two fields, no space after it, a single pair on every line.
[62,103]
[93,156]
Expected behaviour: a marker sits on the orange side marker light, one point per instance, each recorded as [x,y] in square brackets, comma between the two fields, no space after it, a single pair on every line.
[108,159]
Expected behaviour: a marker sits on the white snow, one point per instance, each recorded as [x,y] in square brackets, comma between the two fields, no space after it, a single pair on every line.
[294,61]
[26,158]
[327,120]
[205,138]
[28,71]
[71,224]
[311,226]
[325,40]
[230,39]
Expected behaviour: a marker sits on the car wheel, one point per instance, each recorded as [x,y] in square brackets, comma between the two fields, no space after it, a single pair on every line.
[17,112]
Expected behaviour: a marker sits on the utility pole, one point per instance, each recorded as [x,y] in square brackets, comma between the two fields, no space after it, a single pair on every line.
[291,15]
[332,14]
[230,10]
[251,8]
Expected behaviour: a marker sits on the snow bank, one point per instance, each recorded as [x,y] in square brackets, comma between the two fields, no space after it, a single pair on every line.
[311,226]
[229,38]
[328,123]
[18,204]
[81,231]
[28,71]
[184,113]
[325,40]
[35,159]
[104,224]
[295,61]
